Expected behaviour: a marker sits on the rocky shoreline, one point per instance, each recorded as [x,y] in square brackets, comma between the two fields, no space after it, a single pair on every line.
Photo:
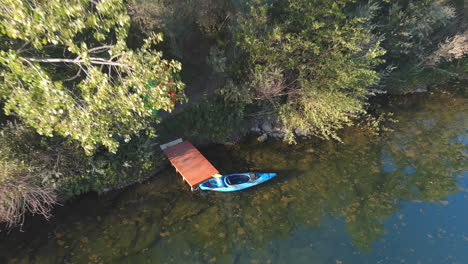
[268,128]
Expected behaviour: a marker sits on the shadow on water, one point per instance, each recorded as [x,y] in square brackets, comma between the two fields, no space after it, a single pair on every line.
[332,203]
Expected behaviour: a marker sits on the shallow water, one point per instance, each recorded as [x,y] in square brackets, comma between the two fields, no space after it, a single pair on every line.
[401,197]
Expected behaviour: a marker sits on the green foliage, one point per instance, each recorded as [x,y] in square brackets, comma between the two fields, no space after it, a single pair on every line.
[206,120]
[235,93]
[27,177]
[179,20]
[21,192]
[55,164]
[320,187]
[309,59]
[455,48]
[63,168]
[412,31]
[321,112]
[409,27]
[170,17]
[411,80]
[50,160]
[134,162]
[66,70]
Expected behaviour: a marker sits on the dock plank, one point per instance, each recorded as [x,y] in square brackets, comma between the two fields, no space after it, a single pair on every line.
[190,163]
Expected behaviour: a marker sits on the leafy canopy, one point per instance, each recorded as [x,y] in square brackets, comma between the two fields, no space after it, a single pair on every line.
[65,69]
[313,60]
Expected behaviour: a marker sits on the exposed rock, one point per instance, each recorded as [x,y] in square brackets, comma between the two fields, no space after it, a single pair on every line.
[277,135]
[255,129]
[262,138]
[301,132]
[421,90]
[266,127]
[279,129]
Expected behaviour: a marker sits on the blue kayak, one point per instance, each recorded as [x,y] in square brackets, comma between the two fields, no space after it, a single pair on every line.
[235,182]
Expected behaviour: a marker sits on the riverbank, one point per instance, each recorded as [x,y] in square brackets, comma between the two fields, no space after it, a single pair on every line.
[263,129]
[211,121]
[357,202]
[91,119]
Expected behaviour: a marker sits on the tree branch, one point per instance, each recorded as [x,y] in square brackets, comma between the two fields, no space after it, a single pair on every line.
[37,71]
[100,49]
[97,61]
[21,49]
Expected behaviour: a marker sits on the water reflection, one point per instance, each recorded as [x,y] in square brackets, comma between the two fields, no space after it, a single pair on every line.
[330,203]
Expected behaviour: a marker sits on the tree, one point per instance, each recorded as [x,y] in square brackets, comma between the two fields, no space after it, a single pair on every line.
[310,63]
[412,30]
[66,70]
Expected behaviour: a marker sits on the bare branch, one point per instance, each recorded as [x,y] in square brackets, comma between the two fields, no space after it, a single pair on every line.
[21,49]
[37,70]
[98,61]
[100,49]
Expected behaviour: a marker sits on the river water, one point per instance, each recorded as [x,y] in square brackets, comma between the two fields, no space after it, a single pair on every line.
[398,197]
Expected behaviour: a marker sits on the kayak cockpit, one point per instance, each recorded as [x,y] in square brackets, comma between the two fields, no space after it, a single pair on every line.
[237,179]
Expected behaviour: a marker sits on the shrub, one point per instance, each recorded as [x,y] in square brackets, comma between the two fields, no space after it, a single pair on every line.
[38,171]
[24,187]
[412,31]
[134,162]
[310,62]
[206,120]
[21,192]
[454,48]
[180,19]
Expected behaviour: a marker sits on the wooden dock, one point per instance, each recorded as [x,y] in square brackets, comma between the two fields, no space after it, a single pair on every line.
[189,162]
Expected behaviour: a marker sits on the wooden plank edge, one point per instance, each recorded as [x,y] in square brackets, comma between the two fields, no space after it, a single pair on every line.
[170,144]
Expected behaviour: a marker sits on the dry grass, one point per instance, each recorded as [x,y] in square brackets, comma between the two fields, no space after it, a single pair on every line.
[22,190]
[454,48]
[21,193]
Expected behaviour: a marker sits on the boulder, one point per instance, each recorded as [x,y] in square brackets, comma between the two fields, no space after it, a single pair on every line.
[301,132]
[279,129]
[266,127]
[255,129]
[277,135]
[421,90]
[262,138]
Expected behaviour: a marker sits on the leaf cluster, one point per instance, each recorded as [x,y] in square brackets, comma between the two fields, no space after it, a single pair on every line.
[67,70]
